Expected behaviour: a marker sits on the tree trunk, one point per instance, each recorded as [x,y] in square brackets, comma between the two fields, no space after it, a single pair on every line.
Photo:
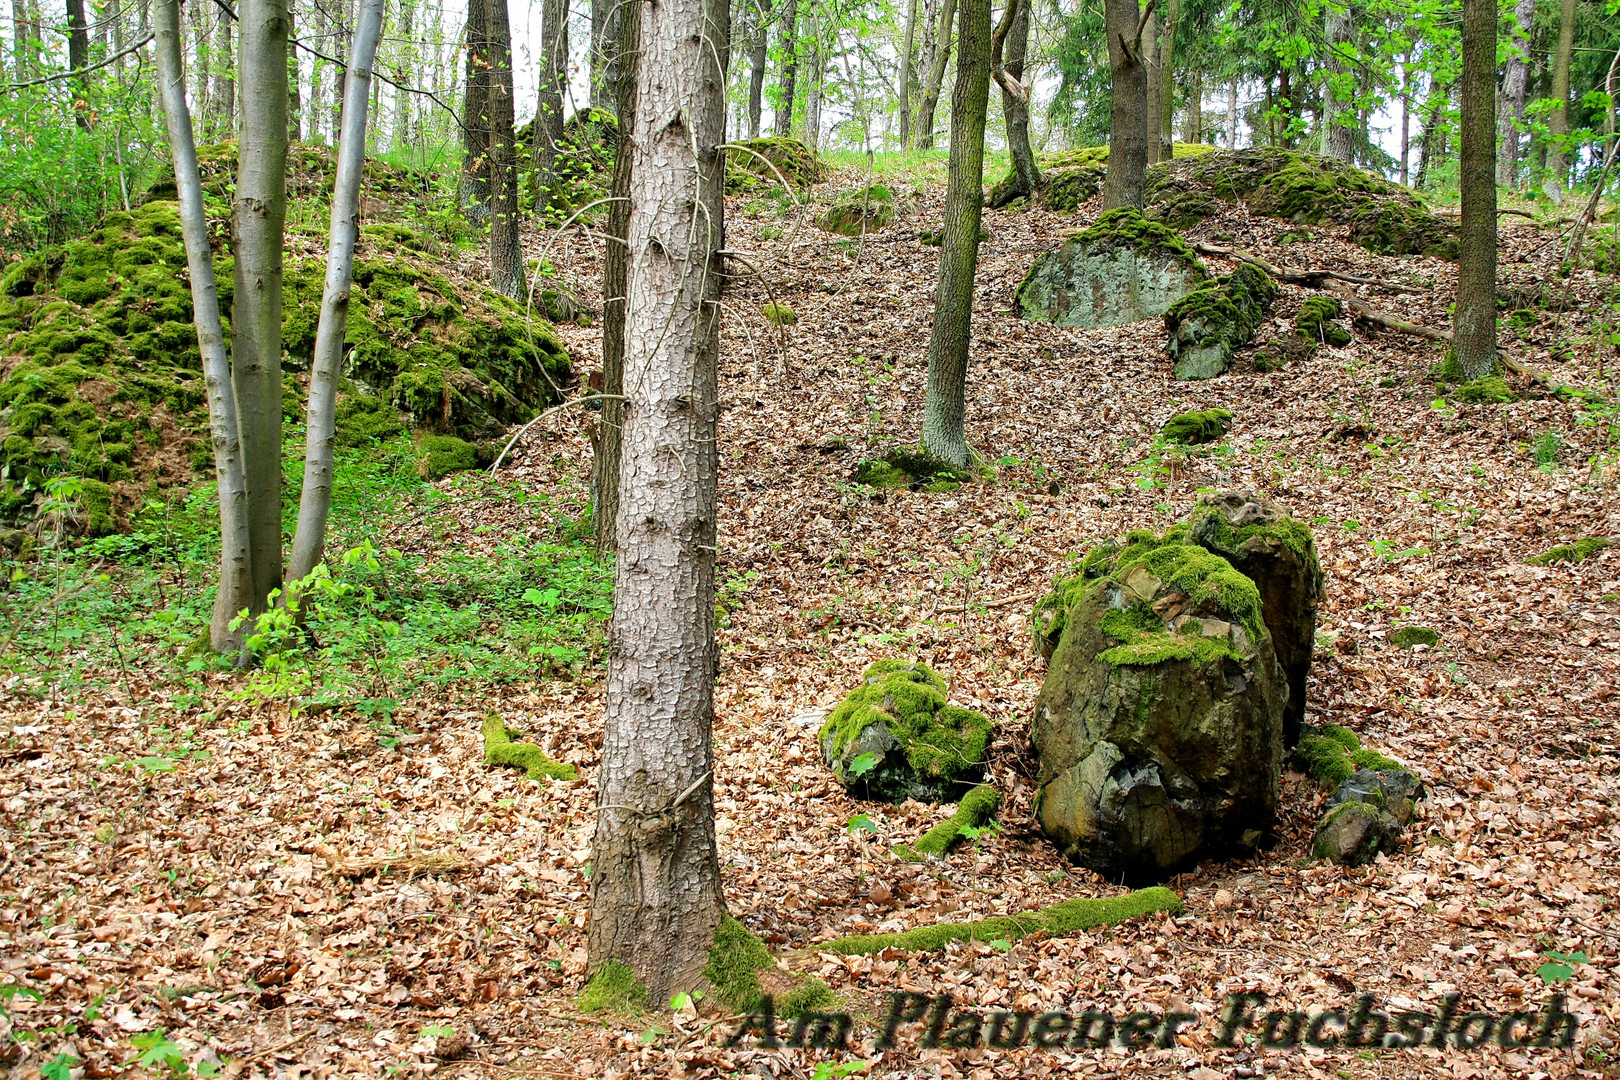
[78,59]
[925,59]
[22,44]
[1155,102]
[758,50]
[505,242]
[1475,327]
[546,133]
[1232,117]
[224,96]
[295,98]
[1406,117]
[655,890]
[944,431]
[317,88]
[605,16]
[404,73]
[936,78]
[200,69]
[1558,151]
[236,555]
[1008,48]
[1193,127]
[1515,93]
[812,92]
[259,216]
[790,69]
[1167,81]
[909,44]
[475,176]
[1338,136]
[615,266]
[1430,143]
[1126,181]
[315,499]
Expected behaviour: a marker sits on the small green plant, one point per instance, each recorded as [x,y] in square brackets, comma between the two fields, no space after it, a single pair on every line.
[60,1067]
[1559,966]
[827,1070]
[861,823]
[863,764]
[159,1052]
[1387,551]
[1548,449]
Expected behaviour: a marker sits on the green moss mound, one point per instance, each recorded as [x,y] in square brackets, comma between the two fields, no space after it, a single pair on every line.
[1578,551]
[975,810]
[1398,227]
[1332,754]
[1208,325]
[446,454]
[778,314]
[1067,917]
[1125,227]
[1406,637]
[1184,209]
[1196,428]
[1491,390]
[737,959]
[1315,321]
[855,213]
[896,736]
[915,470]
[1065,188]
[583,171]
[614,989]
[784,158]
[499,749]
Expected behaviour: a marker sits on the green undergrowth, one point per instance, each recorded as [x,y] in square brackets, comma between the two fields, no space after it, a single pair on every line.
[442,613]
[864,210]
[736,960]
[1333,753]
[1066,917]
[500,749]
[1574,552]
[765,163]
[614,990]
[977,807]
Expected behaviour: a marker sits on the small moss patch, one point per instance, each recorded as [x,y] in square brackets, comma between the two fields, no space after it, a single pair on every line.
[1332,754]
[976,808]
[1491,390]
[1125,227]
[1067,917]
[864,210]
[736,959]
[1315,321]
[499,749]
[917,470]
[445,454]
[1196,428]
[1579,551]
[1406,637]
[778,314]
[614,989]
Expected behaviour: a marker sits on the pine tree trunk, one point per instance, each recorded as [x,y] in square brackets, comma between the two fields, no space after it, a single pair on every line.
[908,45]
[1155,88]
[758,50]
[1338,137]
[936,78]
[315,498]
[1558,154]
[655,891]
[259,216]
[1167,81]
[1431,143]
[505,241]
[548,116]
[1126,181]
[1008,48]
[1515,93]
[1193,127]
[605,465]
[1475,327]
[236,554]
[944,427]
[475,175]
[790,69]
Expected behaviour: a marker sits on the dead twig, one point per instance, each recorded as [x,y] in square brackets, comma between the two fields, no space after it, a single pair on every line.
[419,862]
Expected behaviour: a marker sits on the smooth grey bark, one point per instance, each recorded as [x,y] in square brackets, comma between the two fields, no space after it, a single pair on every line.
[812,92]
[404,72]
[475,177]
[1149,50]
[548,115]
[1515,94]
[1126,180]
[1558,129]
[236,555]
[295,99]
[1167,80]
[925,61]
[1232,117]
[22,47]
[758,49]
[790,70]
[907,48]
[224,65]
[1008,47]
[1338,137]
[655,890]
[1406,117]
[259,216]
[1474,334]
[936,78]
[315,499]
[505,241]
[944,421]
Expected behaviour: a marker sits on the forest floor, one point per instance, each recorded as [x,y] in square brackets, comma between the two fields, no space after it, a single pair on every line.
[187,912]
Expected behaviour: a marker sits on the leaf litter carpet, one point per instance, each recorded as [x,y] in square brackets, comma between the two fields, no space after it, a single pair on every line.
[201,902]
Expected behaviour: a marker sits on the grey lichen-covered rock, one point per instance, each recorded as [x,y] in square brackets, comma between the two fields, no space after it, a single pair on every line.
[1208,326]
[1123,269]
[896,737]
[1353,833]
[1395,791]
[1159,728]
[1278,554]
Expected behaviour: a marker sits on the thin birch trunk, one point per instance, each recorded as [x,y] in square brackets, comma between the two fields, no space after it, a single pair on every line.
[790,69]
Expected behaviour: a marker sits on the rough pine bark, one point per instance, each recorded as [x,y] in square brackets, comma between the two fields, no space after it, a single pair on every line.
[655,890]
[944,424]
[936,78]
[505,241]
[236,554]
[790,69]
[1558,156]
[259,216]
[1126,181]
[475,183]
[1515,93]
[1008,48]
[315,498]
[1474,336]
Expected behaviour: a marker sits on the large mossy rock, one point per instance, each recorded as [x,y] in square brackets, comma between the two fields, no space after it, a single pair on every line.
[896,737]
[1123,269]
[855,213]
[1159,728]
[758,164]
[1207,326]
[1278,554]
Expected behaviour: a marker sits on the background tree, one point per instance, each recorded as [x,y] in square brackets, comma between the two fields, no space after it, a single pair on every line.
[936,78]
[505,241]
[1008,48]
[1475,324]
[547,130]
[1126,182]
[908,45]
[475,117]
[1167,81]
[944,427]
[1558,126]
[1338,130]
[789,67]
[759,25]
[1515,93]
[655,890]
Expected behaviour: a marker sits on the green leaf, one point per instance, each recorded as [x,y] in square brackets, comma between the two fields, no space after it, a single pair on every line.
[1554,973]
[59,1068]
[860,823]
[863,764]
[155,764]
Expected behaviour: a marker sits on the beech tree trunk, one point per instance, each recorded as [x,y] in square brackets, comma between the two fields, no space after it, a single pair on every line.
[925,60]
[1232,117]
[475,177]
[1515,93]
[1126,182]
[505,241]
[259,216]
[812,92]
[1155,102]
[1008,48]
[236,554]
[908,45]
[1558,155]
[790,69]
[1167,80]
[936,78]
[758,51]
[1338,136]
[655,890]
[1474,336]
[944,428]
[315,498]
[548,115]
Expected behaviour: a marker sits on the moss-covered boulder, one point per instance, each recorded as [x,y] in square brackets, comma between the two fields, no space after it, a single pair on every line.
[1066,187]
[1317,321]
[1399,227]
[1278,554]
[778,314]
[1207,326]
[855,213]
[1123,269]
[1332,753]
[896,737]
[1184,209]
[583,170]
[1197,427]
[763,163]
[1159,727]
[1366,815]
